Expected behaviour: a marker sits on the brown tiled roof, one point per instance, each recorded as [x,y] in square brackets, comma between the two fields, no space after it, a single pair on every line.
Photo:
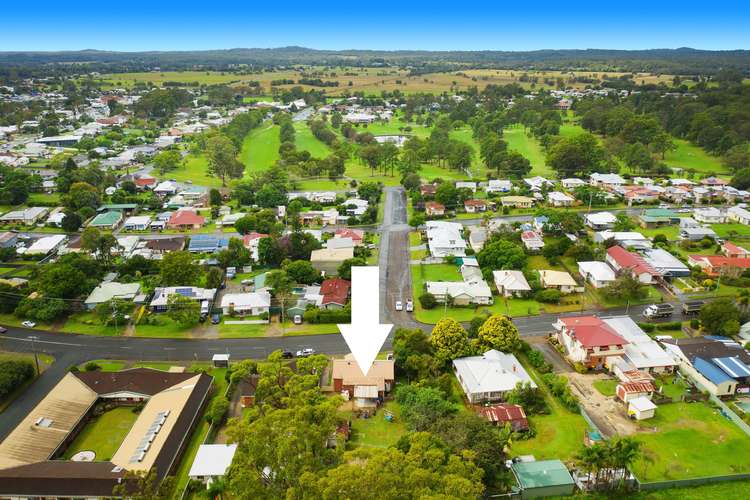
[60,478]
[139,380]
[166,244]
[335,291]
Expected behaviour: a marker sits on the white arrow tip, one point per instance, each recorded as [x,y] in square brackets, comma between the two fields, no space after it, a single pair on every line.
[365,342]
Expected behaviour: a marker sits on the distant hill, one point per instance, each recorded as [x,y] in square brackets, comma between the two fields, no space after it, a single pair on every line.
[682,60]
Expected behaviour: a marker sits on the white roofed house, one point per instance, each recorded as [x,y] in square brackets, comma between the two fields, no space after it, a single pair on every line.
[572,183]
[491,376]
[641,351]
[445,239]
[472,186]
[160,300]
[709,215]
[499,186]
[243,304]
[559,199]
[356,207]
[46,245]
[212,462]
[739,215]
[598,273]
[609,181]
[559,280]
[137,223]
[600,220]
[26,216]
[462,293]
[511,283]
[626,239]
[112,290]
[230,219]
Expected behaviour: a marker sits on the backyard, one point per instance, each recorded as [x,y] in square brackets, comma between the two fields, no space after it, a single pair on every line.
[559,434]
[377,431]
[104,434]
[687,440]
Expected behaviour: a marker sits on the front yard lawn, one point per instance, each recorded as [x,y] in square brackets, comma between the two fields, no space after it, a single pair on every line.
[104,434]
[686,440]
[730,230]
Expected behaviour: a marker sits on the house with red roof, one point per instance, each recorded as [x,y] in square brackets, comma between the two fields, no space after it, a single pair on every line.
[627,391]
[335,293]
[474,206]
[145,182]
[428,190]
[589,340]
[623,261]
[715,265]
[356,235]
[505,413]
[433,208]
[186,219]
[731,250]
[251,242]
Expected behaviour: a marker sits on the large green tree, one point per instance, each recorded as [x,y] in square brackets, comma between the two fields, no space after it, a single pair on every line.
[449,341]
[498,332]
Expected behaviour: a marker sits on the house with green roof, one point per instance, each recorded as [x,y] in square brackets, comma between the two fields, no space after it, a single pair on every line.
[119,207]
[107,220]
[543,478]
[656,217]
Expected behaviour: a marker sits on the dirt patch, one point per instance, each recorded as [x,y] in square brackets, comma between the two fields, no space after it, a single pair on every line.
[607,413]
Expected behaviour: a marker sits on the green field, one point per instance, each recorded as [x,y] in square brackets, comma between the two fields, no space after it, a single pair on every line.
[691,440]
[729,230]
[104,434]
[732,490]
[306,141]
[465,135]
[260,149]
[689,157]
[195,169]
[529,147]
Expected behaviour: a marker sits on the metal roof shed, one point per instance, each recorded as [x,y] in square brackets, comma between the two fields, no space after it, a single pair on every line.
[543,478]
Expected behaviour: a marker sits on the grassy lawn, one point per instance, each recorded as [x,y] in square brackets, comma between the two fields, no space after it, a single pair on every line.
[606,387]
[672,232]
[241,331]
[530,148]
[306,141]
[729,230]
[673,387]
[104,434]
[732,490]
[691,440]
[292,330]
[415,238]
[377,432]
[449,272]
[88,323]
[594,296]
[13,320]
[195,169]
[165,327]
[558,434]
[260,148]
[687,156]
[107,365]
[36,198]
[571,130]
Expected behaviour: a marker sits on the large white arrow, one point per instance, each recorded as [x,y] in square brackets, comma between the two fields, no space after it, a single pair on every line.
[365,335]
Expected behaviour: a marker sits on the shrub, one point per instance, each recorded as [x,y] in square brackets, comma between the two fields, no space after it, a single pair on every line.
[217,411]
[672,325]
[13,373]
[549,296]
[559,387]
[647,327]
[427,300]
[92,367]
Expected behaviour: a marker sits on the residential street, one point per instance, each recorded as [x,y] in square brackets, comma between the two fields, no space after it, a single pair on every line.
[395,284]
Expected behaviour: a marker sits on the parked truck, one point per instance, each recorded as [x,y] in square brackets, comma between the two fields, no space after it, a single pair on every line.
[691,308]
[658,311]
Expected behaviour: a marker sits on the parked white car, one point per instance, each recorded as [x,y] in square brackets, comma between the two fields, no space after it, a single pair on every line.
[29,324]
[409,305]
[399,305]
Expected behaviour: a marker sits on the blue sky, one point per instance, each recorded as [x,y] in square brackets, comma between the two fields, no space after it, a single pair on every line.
[385,24]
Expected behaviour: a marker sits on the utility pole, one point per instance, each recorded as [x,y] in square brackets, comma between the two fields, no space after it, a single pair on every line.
[36,357]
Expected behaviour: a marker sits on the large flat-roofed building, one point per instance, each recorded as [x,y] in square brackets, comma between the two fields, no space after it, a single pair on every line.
[30,464]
